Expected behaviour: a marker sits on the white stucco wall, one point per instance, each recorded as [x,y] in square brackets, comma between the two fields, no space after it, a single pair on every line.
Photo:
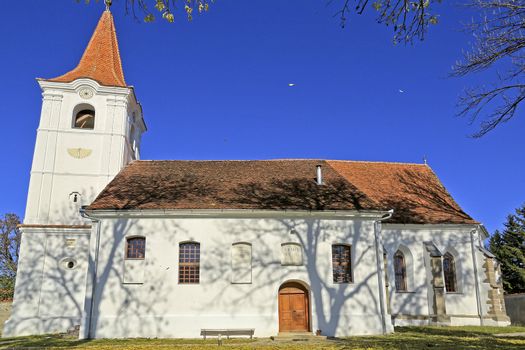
[461,306]
[161,307]
[49,297]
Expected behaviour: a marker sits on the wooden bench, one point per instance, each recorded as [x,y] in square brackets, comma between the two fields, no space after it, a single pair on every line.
[219,333]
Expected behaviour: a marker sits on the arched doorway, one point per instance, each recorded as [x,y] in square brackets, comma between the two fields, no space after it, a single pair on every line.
[294,306]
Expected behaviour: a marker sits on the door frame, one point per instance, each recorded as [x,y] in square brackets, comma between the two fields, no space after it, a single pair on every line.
[305,288]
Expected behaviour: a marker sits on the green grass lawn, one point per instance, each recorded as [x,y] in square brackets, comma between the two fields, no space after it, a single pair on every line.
[471,338]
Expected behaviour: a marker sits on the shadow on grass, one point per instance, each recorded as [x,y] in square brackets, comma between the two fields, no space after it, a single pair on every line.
[41,341]
[460,331]
[457,338]
[405,338]
[63,341]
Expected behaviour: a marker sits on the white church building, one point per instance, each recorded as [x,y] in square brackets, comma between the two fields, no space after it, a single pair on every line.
[122,247]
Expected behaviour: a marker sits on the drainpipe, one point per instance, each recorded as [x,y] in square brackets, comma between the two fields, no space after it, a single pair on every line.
[95,267]
[476,277]
[379,263]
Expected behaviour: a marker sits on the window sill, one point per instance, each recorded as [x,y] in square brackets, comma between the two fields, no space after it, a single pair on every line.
[453,293]
[84,129]
[405,292]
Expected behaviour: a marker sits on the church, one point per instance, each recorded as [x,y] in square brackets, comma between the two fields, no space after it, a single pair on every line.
[119,247]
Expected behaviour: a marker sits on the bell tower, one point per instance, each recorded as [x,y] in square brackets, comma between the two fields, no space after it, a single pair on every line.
[90,127]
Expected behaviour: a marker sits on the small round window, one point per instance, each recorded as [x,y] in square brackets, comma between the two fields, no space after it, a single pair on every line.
[68,263]
[85,119]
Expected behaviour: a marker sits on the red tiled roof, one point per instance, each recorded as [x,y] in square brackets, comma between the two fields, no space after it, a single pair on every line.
[101,59]
[273,184]
[413,191]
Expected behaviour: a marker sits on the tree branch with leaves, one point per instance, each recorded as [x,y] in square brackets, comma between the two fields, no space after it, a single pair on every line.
[499,37]
[410,19]
[10,238]
[150,9]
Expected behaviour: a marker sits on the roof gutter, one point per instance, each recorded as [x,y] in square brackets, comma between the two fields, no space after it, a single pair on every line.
[232,213]
[379,267]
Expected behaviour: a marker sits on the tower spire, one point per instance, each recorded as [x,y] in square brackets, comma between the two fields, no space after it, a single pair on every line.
[101,59]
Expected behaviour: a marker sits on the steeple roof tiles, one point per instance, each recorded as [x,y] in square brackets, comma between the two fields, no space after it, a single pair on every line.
[101,59]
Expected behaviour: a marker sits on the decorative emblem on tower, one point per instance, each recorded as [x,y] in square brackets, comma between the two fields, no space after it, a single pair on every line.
[79,153]
[85,93]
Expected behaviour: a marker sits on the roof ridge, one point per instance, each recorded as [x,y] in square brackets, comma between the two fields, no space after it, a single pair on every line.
[226,160]
[373,162]
[281,159]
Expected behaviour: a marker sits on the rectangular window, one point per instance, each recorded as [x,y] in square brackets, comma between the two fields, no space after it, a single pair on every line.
[134,263]
[135,248]
[342,263]
[189,263]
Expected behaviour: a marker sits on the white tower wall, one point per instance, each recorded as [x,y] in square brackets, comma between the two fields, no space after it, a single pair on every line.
[68,160]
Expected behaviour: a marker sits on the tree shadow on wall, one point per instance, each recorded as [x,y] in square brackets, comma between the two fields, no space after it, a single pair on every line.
[332,302]
[127,309]
[60,291]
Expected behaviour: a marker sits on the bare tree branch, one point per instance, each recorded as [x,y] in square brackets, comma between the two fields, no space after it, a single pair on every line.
[499,35]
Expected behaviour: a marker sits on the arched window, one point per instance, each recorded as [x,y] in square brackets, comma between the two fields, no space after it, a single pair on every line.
[189,262]
[342,263]
[400,271]
[449,271]
[136,248]
[85,119]
[133,140]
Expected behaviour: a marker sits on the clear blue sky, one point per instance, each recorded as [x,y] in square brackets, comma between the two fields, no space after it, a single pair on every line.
[217,88]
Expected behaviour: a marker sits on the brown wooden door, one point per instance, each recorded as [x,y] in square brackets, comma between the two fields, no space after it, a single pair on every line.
[293,308]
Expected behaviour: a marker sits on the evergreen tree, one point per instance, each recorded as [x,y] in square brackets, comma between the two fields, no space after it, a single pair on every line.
[509,248]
